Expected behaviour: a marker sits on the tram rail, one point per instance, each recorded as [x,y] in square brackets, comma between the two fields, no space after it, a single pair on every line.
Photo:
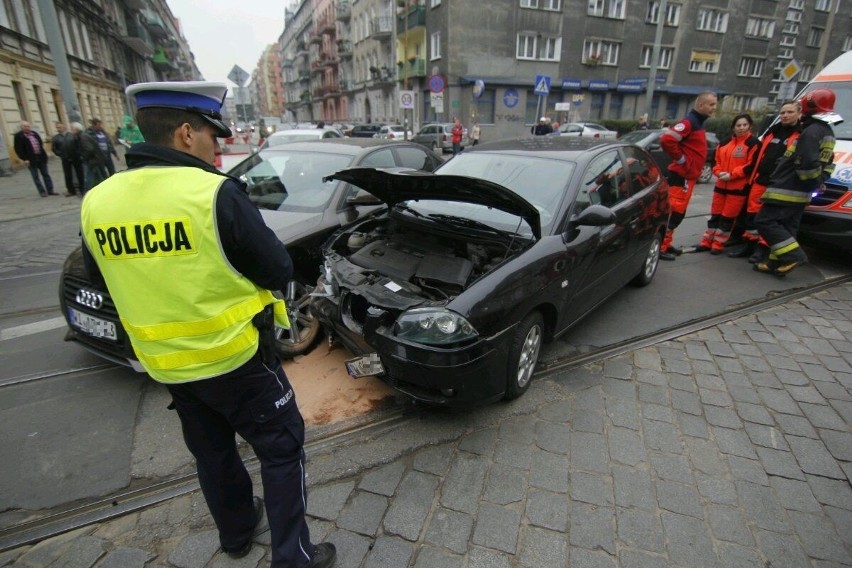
[109,507]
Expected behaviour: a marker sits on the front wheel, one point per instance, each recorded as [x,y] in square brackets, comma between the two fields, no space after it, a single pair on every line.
[523,355]
[649,266]
[706,174]
[304,327]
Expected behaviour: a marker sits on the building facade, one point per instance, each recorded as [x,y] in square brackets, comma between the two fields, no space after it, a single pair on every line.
[594,59]
[109,44]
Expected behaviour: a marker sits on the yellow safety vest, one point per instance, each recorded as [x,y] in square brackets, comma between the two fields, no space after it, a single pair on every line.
[187,311]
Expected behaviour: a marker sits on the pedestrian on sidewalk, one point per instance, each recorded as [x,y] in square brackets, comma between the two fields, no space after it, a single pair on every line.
[802,170]
[730,193]
[105,145]
[62,145]
[196,267]
[30,149]
[686,144]
[87,150]
[475,133]
[457,133]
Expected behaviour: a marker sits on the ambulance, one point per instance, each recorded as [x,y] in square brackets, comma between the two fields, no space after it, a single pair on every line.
[827,222]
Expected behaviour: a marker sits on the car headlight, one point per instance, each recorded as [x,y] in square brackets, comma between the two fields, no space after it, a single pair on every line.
[433,326]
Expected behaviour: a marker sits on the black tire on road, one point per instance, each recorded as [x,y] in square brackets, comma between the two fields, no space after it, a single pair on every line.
[649,267]
[524,350]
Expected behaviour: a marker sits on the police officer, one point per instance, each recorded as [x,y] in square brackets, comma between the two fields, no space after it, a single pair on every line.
[190,264]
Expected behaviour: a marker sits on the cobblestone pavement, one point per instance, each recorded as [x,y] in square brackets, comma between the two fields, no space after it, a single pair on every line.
[728,447]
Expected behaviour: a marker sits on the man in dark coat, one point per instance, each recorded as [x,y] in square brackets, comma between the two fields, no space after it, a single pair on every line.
[30,149]
[94,160]
[63,147]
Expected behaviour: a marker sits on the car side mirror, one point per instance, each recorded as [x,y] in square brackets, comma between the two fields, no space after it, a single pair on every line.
[363,198]
[595,216]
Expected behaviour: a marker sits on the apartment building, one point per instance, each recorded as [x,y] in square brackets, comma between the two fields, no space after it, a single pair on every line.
[109,44]
[480,60]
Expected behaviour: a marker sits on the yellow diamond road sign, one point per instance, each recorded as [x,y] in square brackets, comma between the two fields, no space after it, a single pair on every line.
[790,70]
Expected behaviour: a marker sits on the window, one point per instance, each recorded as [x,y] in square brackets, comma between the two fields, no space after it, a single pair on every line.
[607,8]
[822,5]
[533,46]
[704,61]
[760,27]
[552,5]
[790,28]
[640,168]
[751,67]
[797,4]
[794,16]
[788,40]
[485,106]
[785,53]
[806,72]
[435,45]
[435,3]
[815,37]
[746,102]
[18,89]
[665,60]
[604,182]
[847,43]
[529,3]
[601,52]
[533,110]
[710,20]
[672,13]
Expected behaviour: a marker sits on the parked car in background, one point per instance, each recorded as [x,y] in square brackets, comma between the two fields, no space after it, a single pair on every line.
[439,137]
[393,132]
[300,135]
[448,295]
[590,129]
[286,183]
[365,130]
[650,140]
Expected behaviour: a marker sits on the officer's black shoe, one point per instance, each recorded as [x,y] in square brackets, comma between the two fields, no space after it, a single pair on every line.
[241,551]
[742,251]
[760,254]
[701,248]
[677,251]
[668,255]
[324,556]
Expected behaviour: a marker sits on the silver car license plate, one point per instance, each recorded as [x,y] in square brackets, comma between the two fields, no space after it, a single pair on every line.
[90,325]
[365,366]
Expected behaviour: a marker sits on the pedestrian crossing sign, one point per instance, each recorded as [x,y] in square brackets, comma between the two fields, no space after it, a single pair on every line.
[542,85]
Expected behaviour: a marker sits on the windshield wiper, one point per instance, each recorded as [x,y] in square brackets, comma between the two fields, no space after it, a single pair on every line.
[467,223]
[407,209]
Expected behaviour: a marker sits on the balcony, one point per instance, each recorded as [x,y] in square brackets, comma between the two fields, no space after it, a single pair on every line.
[304,75]
[344,11]
[301,48]
[316,38]
[416,17]
[346,85]
[317,67]
[411,68]
[138,39]
[328,26]
[154,23]
[344,49]
[382,75]
[381,27]
[161,60]
[287,62]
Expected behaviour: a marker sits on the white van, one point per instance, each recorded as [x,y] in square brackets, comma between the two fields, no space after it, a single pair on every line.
[827,221]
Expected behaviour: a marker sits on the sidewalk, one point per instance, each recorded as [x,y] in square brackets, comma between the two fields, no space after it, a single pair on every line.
[727,447]
[20,198]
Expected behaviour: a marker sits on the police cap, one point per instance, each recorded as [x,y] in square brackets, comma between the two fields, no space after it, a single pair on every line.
[199,97]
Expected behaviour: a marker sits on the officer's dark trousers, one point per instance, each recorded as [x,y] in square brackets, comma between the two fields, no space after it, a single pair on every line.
[778,225]
[260,405]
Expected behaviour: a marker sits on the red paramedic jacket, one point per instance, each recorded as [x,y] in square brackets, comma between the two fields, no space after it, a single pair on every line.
[687,139]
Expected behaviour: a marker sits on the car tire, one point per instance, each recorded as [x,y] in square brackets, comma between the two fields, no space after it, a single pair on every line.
[303,324]
[706,174]
[650,264]
[524,350]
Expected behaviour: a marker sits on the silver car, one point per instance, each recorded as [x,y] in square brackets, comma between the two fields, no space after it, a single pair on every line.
[439,136]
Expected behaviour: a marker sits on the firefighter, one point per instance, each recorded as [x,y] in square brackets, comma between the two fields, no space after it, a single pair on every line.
[686,145]
[191,265]
[802,170]
[773,144]
[730,193]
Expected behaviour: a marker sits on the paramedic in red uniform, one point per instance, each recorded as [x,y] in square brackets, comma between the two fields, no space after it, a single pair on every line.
[731,170]
[686,145]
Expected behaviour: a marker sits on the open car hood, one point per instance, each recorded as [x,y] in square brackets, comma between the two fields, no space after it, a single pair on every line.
[394,185]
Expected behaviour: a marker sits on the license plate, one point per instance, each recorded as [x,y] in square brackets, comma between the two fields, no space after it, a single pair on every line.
[365,366]
[90,325]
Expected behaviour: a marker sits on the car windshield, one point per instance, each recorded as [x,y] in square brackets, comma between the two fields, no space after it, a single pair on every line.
[283,180]
[292,137]
[540,181]
[635,137]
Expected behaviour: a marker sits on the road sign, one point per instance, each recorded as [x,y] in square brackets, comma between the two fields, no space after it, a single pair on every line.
[511,98]
[787,90]
[406,99]
[436,84]
[790,70]
[542,85]
[563,106]
[437,101]
[238,75]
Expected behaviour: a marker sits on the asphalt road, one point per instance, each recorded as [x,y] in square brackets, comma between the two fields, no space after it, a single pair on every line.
[92,431]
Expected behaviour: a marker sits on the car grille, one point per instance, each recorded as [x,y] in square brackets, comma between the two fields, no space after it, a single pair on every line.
[74,285]
[121,347]
[832,192]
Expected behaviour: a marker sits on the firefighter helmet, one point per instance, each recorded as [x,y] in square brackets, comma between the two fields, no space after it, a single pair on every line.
[818,101]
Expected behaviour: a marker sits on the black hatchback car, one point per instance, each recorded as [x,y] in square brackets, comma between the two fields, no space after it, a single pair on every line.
[650,140]
[286,183]
[448,295]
